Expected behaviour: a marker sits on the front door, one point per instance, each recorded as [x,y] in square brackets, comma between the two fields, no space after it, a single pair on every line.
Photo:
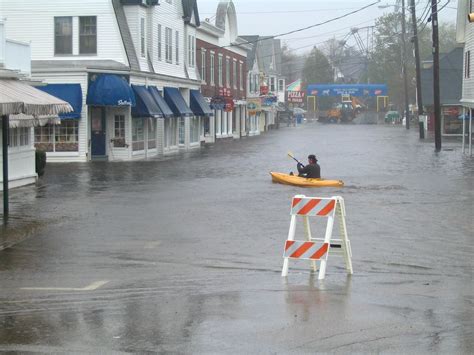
[98,133]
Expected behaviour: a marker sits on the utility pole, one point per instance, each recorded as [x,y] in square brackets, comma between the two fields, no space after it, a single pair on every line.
[417,64]
[437,107]
[404,66]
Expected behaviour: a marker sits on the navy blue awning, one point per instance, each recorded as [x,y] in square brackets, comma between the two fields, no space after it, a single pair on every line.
[165,109]
[71,93]
[110,90]
[176,102]
[146,105]
[199,105]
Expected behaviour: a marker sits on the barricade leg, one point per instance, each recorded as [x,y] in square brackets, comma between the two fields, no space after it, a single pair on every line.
[341,211]
[291,236]
[327,239]
[307,230]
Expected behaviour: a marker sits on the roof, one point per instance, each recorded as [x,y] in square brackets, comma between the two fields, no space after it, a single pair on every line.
[190,7]
[77,64]
[268,54]
[450,74]
[126,35]
[252,42]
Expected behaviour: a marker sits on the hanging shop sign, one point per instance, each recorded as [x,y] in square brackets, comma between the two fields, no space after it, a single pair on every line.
[296,96]
[264,90]
[229,105]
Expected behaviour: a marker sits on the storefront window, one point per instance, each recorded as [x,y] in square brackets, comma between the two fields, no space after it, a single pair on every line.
[138,134]
[119,131]
[152,133]
[451,123]
[170,132]
[58,138]
[194,129]
[181,130]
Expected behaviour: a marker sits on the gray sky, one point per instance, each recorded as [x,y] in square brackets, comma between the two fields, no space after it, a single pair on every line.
[270,17]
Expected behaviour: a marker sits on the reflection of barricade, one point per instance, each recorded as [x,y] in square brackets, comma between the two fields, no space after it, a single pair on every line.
[311,249]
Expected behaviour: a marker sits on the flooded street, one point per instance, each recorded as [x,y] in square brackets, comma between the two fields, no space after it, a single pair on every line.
[184,254]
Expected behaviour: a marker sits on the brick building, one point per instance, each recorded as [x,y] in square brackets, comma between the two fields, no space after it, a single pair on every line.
[221,60]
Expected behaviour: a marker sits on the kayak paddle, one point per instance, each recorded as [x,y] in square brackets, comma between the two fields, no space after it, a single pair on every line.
[290,154]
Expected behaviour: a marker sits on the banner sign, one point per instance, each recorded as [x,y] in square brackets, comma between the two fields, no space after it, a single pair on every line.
[253,105]
[264,90]
[296,96]
[347,89]
[269,100]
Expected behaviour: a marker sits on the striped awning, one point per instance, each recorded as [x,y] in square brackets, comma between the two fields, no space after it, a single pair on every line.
[17,97]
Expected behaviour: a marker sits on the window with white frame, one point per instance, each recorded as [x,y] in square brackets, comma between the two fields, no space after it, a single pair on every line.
[203,65]
[24,136]
[169,44]
[142,37]
[63,35]
[256,83]
[177,47]
[194,129]
[250,83]
[234,74]
[241,76]
[227,72]
[151,133]
[219,70]
[281,85]
[87,35]
[181,130]
[212,69]
[119,131]
[170,132]
[138,134]
[272,84]
[159,43]
[191,50]
[58,138]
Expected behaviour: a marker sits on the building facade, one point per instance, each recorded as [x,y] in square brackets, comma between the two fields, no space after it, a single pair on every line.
[265,57]
[465,36]
[15,61]
[129,66]
[222,64]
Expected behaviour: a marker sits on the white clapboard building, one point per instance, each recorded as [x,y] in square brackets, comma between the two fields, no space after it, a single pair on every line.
[127,67]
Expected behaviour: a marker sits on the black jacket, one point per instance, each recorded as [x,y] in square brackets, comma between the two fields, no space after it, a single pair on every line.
[310,171]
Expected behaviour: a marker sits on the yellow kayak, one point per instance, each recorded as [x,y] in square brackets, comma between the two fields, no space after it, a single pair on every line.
[301,181]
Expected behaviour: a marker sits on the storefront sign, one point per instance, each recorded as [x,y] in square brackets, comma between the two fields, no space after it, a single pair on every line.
[225,92]
[218,103]
[269,100]
[253,106]
[229,105]
[264,90]
[451,111]
[296,96]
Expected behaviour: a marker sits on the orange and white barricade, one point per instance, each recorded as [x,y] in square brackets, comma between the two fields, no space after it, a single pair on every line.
[314,249]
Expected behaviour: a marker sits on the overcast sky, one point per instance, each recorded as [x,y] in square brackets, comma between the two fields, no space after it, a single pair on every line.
[270,17]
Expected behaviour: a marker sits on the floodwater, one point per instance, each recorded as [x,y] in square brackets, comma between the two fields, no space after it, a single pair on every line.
[184,254]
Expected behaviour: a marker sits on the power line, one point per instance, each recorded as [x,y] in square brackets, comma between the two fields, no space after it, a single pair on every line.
[299,29]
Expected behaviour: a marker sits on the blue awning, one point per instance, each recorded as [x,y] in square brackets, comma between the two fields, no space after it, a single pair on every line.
[199,105]
[146,105]
[165,109]
[71,93]
[110,90]
[176,102]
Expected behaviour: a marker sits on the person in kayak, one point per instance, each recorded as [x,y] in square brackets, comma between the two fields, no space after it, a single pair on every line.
[310,171]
